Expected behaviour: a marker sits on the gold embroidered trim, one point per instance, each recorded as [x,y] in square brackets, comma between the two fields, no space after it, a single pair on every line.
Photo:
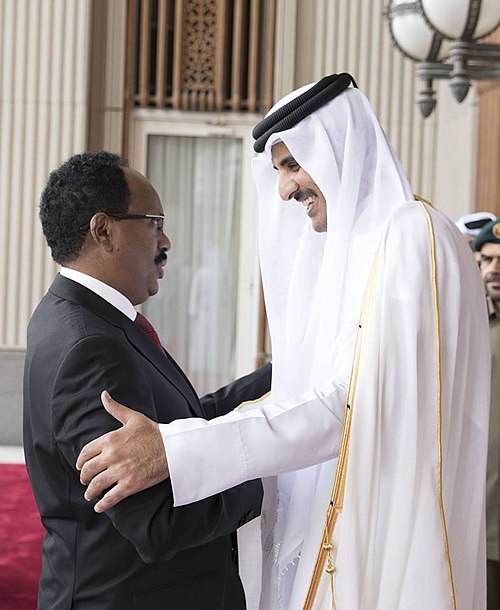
[336,503]
[439,381]
[255,400]
[421,199]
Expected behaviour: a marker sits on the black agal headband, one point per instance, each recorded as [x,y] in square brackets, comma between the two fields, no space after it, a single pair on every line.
[297,109]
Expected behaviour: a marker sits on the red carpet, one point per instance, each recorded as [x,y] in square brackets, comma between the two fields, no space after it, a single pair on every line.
[20,540]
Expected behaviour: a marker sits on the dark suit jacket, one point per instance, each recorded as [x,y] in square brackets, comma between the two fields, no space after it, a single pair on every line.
[142,554]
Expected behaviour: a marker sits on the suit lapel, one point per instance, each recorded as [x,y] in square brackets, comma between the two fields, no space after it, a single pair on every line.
[72,291]
[165,364]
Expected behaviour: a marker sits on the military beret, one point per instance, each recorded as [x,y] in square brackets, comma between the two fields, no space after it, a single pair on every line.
[490,233]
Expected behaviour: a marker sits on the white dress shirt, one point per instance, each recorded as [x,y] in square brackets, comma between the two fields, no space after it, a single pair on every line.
[109,294]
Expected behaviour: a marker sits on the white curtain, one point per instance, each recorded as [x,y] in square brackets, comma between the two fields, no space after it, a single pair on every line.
[198,180]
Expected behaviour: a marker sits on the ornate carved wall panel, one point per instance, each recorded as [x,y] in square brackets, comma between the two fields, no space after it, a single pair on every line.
[208,55]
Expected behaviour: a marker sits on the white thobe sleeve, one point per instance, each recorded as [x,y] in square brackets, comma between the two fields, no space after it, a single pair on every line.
[207,457]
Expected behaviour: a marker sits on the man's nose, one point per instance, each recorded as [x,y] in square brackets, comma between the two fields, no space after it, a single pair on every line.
[165,243]
[287,187]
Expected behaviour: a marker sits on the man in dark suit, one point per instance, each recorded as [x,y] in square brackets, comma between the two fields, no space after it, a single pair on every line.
[104,224]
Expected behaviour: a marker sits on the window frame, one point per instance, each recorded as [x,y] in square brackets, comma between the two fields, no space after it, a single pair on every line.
[147,122]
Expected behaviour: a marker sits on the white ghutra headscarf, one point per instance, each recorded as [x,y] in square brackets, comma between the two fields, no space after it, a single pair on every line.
[313,287]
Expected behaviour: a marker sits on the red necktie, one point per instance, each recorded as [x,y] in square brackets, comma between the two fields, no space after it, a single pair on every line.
[147,327]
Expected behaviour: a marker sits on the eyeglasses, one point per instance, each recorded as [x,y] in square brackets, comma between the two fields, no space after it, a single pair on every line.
[134,216]
[157,218]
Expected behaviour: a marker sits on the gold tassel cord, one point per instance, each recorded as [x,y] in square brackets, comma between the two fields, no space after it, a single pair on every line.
[330,569]
[324,555]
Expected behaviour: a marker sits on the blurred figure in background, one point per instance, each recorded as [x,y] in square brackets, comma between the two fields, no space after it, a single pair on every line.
[487,245]
[471,224]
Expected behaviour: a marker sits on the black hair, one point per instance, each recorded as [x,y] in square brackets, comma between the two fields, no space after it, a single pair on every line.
[85,184]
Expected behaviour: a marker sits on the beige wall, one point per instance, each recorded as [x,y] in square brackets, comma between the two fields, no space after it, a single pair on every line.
[58,97]
[107,75]
[43,119]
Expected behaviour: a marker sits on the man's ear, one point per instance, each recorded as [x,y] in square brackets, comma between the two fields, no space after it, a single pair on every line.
[101,230]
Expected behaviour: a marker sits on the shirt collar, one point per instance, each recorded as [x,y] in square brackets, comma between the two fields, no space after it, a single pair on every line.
[109,294]
[492,310]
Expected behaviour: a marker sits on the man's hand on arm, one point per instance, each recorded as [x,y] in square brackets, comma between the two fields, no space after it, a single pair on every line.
[126,460]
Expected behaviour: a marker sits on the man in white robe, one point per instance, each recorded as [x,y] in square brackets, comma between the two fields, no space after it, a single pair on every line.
[379,333]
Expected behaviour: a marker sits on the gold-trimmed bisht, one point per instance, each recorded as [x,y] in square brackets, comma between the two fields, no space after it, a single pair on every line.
[326,552]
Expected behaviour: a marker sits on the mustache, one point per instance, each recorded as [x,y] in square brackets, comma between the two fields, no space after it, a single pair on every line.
[160,258]
[304,194]
[492,277]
